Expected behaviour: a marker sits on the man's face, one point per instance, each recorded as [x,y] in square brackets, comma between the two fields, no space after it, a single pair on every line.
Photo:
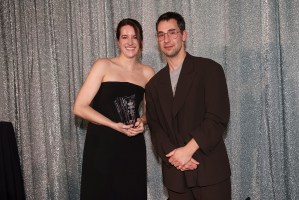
[170,39]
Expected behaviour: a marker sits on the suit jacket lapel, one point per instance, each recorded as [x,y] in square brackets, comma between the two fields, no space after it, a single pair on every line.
[184,84]
[166,95]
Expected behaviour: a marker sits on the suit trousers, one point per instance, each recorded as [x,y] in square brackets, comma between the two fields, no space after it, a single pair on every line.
[219,191]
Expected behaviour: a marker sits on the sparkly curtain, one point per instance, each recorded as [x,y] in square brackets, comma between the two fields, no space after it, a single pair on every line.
[48,47]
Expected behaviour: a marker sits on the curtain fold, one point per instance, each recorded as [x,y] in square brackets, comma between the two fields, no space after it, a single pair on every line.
[48,47]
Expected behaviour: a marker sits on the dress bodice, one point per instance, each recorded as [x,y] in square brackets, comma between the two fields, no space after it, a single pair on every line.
[119,101]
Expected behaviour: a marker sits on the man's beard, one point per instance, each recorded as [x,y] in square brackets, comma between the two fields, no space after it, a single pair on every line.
[172,54]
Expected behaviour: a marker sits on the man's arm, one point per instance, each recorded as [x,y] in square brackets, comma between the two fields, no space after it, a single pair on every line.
[159,138]
[207,135]
[217,109]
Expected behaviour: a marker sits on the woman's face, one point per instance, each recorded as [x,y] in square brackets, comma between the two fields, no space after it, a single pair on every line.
[128,42]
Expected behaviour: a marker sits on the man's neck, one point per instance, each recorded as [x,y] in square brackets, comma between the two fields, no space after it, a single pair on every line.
[176,61]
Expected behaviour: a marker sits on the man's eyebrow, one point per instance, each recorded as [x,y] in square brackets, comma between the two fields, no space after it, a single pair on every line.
[172,29]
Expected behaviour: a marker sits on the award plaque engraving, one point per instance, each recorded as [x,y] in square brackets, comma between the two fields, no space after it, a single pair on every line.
[126,109]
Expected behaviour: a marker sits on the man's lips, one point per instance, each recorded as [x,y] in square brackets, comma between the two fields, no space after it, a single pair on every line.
[168,47]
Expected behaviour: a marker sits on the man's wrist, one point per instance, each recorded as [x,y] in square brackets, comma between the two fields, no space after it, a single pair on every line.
[192,146]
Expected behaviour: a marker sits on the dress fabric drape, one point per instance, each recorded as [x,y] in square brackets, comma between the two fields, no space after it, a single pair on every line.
[11,182]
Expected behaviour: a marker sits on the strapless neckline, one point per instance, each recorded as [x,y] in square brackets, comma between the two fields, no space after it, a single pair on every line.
[125,82]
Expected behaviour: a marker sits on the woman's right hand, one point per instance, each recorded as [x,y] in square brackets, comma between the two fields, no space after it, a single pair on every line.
[123,128]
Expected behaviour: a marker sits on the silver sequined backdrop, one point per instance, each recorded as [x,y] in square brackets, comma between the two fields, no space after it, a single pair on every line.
[48,47]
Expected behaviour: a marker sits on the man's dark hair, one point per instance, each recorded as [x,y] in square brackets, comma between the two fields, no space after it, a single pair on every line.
[172,15]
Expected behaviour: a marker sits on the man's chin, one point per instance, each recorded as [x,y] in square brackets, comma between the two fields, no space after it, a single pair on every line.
[170,54]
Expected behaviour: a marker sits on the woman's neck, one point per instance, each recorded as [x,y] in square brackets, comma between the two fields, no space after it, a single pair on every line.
[128,64]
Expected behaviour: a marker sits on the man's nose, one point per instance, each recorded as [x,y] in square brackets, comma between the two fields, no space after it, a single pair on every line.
[166,37]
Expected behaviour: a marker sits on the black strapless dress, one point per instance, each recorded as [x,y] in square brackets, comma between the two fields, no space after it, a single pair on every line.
[114,165]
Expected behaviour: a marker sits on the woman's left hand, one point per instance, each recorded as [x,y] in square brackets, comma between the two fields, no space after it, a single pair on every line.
[137,128]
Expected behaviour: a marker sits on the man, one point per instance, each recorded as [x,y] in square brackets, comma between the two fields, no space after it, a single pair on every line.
[188,112]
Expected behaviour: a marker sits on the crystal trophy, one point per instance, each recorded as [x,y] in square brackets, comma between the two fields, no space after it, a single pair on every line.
[126,109]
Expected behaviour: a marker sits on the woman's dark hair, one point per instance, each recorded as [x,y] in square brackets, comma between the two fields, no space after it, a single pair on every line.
[137,28]
[172,15]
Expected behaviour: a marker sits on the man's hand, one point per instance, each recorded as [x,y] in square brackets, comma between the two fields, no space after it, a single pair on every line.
[191,165]
[182,160]
[181,157]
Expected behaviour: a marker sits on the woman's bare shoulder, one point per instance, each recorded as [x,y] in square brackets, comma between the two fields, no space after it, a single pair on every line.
[148,71]
[102,64]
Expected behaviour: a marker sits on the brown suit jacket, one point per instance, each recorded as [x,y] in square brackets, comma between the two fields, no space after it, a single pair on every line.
[199,110]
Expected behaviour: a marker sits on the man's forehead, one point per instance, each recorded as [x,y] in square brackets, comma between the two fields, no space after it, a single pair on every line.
[167,25]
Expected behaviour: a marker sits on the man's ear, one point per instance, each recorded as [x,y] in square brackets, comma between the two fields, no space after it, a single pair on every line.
[184,35]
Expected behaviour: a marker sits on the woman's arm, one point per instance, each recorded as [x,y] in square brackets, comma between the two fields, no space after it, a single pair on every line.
[86,94]
[142,121]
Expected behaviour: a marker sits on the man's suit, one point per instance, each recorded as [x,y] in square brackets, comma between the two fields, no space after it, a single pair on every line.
[199,110]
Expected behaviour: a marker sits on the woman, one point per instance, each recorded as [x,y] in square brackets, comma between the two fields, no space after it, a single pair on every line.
[114,159]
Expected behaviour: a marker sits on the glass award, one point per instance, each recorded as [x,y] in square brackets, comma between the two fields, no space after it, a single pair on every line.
[126,109]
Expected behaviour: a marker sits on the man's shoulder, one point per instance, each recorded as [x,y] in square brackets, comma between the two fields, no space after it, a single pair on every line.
[157,77]
[202,63]
[202,60]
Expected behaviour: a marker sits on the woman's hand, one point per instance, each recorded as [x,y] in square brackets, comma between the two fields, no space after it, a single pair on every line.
[125,129]
[137,128]
[130,130]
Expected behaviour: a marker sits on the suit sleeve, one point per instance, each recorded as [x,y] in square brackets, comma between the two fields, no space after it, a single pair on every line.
[160,140]
[217,109]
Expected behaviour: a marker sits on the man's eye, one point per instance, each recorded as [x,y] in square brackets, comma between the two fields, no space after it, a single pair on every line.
[160,35]
[172,32]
